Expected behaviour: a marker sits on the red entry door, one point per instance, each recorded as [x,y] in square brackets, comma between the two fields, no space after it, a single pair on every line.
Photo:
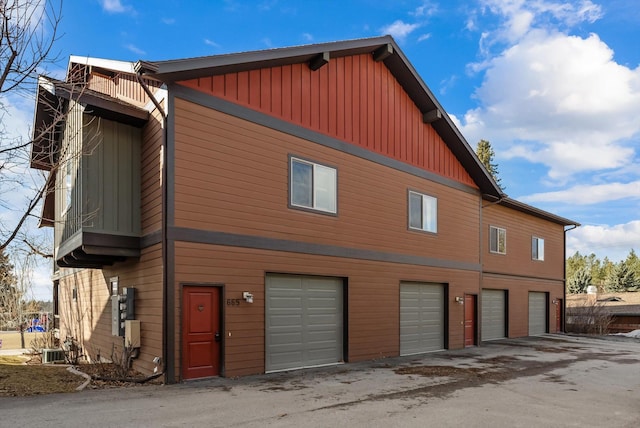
[558,315]
[201,335]
[469,320]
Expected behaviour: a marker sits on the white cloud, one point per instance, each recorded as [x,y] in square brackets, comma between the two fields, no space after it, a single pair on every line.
[399,30]
[426,9]
[115,6]
[307,37]
[424,37]
[135,49]
[616,241]
[521,16]
[584,194]
[559,100]
[211,43]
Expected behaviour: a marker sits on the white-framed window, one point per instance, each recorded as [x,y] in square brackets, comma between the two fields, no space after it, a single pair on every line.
[497,240]
[313,186]
[537,248]
[423,212]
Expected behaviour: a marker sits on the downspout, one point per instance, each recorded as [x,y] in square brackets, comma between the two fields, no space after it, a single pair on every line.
[139,70]
[564,275]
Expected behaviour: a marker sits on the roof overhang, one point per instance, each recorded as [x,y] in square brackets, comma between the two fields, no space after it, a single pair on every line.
[51,107]
[382,48]
[536,212]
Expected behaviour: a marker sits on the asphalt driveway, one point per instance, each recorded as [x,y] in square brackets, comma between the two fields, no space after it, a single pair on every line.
[550,381]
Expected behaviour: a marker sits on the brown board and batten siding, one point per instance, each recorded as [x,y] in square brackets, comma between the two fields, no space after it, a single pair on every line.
[354,99]
[231,175]
[372,298]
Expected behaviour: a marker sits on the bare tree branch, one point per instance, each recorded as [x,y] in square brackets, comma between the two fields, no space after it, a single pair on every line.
[37,251]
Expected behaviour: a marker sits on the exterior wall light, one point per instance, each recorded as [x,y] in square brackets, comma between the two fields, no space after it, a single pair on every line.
[247,296]
[460,300]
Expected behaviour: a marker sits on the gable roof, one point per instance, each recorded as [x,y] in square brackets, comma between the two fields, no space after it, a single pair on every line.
[382,48]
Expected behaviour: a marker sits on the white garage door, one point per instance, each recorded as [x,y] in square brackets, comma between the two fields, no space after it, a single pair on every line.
[303,317]
[421,318]
[537,313]
[493,314]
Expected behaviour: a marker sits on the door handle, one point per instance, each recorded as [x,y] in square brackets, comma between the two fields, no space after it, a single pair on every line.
[217,337]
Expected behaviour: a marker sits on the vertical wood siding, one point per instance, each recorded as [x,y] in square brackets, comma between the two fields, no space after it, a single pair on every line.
[354,99]
[110,177]
[70,221]
[122,86]
[88,318]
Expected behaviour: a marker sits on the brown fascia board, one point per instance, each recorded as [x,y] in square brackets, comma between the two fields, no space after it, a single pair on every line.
[537,212]
[396,62]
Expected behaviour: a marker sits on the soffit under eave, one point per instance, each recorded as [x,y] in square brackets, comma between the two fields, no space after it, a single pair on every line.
[47,215]
[98,104]
[46,133]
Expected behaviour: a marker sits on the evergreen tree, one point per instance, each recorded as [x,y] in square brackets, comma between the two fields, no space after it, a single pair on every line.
[10,296]
[633,264]
[621,278]
[579,281]
[486,154]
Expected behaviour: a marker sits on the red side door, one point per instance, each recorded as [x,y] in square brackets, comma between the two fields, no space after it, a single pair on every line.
[559,316]
[201,335]
[469,320]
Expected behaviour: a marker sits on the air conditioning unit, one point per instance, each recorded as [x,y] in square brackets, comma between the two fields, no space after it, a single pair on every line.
[52,356]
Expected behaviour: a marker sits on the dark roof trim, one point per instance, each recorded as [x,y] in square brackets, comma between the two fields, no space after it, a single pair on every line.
[528,209]
[382,48]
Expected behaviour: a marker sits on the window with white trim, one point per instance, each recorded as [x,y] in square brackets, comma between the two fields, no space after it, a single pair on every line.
[537,248]
[313,186]
[497,240]
[423,212]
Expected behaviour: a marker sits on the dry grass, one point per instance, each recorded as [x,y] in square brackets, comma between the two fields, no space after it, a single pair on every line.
[18,379]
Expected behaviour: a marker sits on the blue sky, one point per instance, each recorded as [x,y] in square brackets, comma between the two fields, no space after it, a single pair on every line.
[554,85]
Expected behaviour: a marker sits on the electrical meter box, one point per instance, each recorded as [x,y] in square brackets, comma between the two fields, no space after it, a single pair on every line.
[122,309]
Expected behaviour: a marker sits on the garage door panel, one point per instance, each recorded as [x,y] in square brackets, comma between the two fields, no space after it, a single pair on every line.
[311,308]
[537,313]
[421,318]
[493,314]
